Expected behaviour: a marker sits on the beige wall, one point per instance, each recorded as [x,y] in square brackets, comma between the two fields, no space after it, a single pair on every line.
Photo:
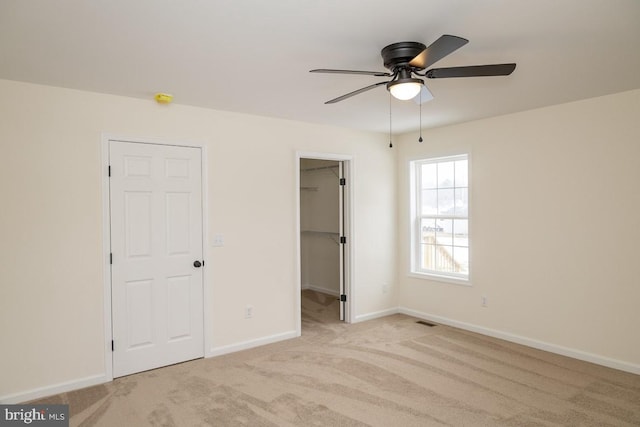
[51,281]
[555,226]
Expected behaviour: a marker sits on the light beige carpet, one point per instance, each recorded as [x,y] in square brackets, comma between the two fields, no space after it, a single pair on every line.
[385,372]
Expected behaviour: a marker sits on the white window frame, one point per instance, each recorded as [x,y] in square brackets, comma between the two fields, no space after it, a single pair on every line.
[415,180]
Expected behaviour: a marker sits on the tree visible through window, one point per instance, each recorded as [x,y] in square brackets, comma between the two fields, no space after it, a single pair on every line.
[441,216]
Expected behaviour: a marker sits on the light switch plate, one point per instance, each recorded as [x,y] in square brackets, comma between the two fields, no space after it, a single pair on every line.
[218,240]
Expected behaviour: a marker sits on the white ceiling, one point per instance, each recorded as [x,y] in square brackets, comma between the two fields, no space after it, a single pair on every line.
[253,56]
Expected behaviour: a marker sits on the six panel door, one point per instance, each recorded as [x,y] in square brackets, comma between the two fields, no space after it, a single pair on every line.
[156,238]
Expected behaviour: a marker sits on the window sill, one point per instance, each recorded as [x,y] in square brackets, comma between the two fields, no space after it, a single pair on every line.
[438,278]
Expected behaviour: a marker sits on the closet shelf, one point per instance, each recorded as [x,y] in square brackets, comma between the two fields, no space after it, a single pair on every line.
[328,234]
[319,168]
[308,188]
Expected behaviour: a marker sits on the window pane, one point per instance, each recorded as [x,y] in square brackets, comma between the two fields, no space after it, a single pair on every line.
[429,202]
[428,175]
[428,230]
[461,260]
[461,232]
[462,171]
[444,258]
[427,257]
[441,216]
[445,175]
[446,202]
[444,232]
[461,201]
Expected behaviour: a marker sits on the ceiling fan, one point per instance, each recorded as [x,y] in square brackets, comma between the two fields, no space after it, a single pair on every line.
[406,60]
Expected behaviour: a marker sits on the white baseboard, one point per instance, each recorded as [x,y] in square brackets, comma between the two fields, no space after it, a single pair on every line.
[320,289]
[245,345]
[376,314]
[529,342]
[64,387]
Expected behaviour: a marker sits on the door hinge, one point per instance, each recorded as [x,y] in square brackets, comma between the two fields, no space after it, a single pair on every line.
[343,298]
[203,263]
[112,346]
[109,170]
[111,258]
[343,239]
[343,181]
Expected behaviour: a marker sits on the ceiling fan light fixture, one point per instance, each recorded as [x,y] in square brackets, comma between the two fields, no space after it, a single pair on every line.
[405,60]
[404,89]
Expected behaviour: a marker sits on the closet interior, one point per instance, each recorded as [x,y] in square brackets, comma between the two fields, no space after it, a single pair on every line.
[320,218]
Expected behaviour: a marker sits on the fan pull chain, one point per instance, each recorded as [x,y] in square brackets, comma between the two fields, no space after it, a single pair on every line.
[420,103]
[390,143]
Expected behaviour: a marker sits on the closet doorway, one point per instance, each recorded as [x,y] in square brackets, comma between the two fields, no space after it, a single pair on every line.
[324,236]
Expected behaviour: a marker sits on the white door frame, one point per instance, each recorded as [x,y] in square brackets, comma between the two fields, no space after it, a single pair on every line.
[349,233]
[106,241]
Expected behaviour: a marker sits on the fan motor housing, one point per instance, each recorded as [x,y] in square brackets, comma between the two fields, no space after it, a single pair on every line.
[401,53]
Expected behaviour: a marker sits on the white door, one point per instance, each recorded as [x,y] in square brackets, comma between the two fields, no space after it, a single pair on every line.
[343,241]
[156,246]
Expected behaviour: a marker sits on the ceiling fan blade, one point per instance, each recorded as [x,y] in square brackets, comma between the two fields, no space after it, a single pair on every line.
[425,95]
[471,71]
[437,50]
[355,92]
[367,73]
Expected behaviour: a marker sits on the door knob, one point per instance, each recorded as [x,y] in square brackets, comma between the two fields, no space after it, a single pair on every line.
[197,264]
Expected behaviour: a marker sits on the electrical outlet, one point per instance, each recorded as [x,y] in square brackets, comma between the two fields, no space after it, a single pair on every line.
[485,301]
[248,312]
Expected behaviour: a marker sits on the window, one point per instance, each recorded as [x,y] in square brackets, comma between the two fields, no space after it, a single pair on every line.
[440,217]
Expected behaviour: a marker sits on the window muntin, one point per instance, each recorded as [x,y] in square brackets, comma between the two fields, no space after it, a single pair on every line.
[440,231]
